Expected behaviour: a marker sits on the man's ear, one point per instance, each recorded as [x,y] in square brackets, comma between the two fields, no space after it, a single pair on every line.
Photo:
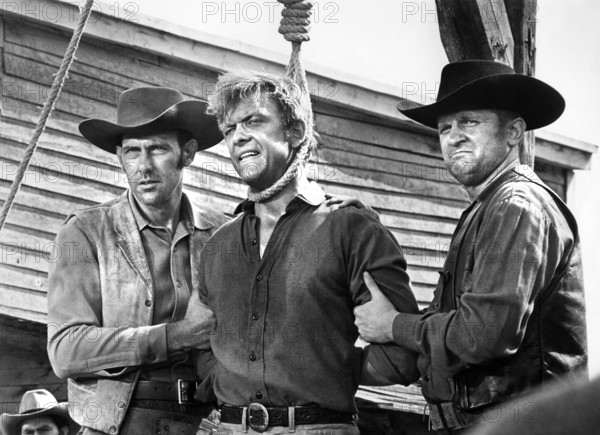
[189,150]
[515,131]
[296,133]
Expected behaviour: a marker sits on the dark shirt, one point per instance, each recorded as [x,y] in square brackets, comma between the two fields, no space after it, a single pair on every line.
[285,325]
[505,306]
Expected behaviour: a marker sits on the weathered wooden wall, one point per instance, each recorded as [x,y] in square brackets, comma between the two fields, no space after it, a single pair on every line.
[396,170]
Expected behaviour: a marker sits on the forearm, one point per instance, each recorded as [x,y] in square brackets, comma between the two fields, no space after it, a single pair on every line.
[85,350]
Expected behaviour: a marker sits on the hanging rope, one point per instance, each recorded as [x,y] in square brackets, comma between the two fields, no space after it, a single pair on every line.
[295,26]
[59,81]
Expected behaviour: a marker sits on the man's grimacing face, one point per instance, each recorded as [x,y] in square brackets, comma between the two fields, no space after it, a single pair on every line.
[474,143]
[259,144]
[154,166]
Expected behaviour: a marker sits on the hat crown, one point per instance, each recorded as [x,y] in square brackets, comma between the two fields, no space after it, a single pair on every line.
[138,106]
[458,74]
[37,400]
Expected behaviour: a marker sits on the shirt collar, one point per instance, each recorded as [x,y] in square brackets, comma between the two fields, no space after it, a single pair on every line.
[524,172]
[310,193]
[186,216]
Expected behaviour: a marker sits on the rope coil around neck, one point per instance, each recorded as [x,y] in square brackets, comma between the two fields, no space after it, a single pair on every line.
[295,26]
[59,81]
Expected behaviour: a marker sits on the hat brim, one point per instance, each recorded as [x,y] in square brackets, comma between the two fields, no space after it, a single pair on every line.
[187,115]
[536,102]
[9,423]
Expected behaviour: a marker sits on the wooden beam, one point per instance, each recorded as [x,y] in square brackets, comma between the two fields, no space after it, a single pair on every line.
[522,17]
[475,29]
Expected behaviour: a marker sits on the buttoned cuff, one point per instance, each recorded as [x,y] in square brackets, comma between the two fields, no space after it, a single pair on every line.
[404,329]
[155,348]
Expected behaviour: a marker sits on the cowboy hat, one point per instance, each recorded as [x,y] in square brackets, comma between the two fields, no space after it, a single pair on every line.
[483,84]
[36,404]
[152,110]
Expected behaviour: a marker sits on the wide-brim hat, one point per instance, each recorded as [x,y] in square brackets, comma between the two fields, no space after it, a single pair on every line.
[35,404]
[482,84]
[149,110]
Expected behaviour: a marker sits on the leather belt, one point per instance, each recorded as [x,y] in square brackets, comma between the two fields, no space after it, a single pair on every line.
[181,391]
[259,417]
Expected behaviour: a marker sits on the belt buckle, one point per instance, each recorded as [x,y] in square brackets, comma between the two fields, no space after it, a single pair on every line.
[258,417]
[186,391]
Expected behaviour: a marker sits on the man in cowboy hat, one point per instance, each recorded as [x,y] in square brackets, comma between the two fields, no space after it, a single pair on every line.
[508,312]
[119,291]
[40,414]
[284,343]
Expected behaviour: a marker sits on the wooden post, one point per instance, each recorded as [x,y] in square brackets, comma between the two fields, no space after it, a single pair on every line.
[522,17]
[498,30]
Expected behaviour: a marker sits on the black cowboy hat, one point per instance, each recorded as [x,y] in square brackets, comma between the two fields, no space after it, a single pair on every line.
[152,110]
[482,84]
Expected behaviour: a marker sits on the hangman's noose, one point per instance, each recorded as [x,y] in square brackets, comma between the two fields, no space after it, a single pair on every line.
[59,81]
[295,26]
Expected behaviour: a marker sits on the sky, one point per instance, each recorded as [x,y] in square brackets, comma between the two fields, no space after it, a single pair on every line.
[397,43]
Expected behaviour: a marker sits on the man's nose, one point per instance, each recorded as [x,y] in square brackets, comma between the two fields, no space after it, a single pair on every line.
[145,162]
[240,135]
[455,135]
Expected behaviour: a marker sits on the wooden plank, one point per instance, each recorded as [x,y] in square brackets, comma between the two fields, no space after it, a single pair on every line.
[25,216]
[387,201]
[392,138]
[522,16]
[23,289]
[556,154]
[54,166]
[373,173]
[54,40]
[22,313]
[75,103]
[18,109]
[462,31]
[54,140]
[44,202]
[2,27]
[114,64]
[52,182]
[393,155]
[40,74]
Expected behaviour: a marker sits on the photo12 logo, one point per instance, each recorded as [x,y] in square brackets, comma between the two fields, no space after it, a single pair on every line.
[254,12]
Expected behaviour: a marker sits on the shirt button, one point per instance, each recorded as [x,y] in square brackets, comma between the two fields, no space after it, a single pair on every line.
[112,429]
[121,405]
[426,378]
[148,303]
[255,316]
[258,395]
[254,241]
[259,277]
[178,284]
[252,357]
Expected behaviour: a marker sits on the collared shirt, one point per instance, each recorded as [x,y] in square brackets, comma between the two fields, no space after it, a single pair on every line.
[169,263]
[285,326]
[506,256]
[168,259]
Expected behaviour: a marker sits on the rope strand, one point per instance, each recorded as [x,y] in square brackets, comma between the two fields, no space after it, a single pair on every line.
[295,27]
[59,81]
